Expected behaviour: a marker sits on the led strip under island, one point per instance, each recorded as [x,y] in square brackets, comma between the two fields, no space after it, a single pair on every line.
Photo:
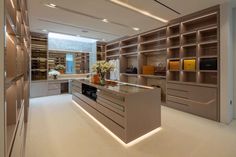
[129,113]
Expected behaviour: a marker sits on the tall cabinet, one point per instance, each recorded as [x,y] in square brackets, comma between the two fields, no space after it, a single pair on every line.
[182,58]
[193,64]
[15,80]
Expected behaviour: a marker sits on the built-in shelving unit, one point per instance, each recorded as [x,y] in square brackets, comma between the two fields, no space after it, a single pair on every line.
[192,58]
[39,57]
[101,51]
[16,81]
[81,63]
[137,52]
[56,58]
[182,58]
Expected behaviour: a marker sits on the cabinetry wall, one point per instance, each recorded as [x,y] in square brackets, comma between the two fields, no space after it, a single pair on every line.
[2,114]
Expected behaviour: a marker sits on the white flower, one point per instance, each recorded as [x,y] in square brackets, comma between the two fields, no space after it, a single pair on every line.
[53,72]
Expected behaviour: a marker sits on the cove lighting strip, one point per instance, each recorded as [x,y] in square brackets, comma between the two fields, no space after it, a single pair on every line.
[132,143]
[138,10]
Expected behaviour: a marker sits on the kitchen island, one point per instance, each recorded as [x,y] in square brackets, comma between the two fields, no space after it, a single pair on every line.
[128,111]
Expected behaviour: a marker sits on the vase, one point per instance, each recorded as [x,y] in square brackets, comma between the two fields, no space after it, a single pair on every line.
[102,79]
[54,77]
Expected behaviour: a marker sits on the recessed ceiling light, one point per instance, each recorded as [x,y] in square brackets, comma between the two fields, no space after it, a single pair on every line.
[105,20]
[51,5]
[136,29]
[138,10]
[44,30]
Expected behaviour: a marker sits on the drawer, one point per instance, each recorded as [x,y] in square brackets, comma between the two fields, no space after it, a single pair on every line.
[113,106]
[115,128]
[207,109]
[111,97]
[179,93]
[103,110]
[54,86]
[76,83]
[54,92]
[77,89]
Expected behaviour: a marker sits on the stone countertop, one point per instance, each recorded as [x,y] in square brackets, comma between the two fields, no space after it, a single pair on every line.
[120,88]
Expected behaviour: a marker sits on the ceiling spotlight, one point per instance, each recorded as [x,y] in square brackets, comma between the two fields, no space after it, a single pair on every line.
[105,20]
[51,5]
[131,7]
[136,29]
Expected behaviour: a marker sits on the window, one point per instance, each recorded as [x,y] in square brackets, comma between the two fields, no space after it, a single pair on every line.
[70,68]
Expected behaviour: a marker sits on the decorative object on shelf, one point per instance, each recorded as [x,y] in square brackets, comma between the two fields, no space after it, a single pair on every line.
[131,70]
[95,79]
[160,69]
[54,73]
[115,74]
[208,64]
[61,68]
[190,64]
[148,70]
[174,65]
[102,68]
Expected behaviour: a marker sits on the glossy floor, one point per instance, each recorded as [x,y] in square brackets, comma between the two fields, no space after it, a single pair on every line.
[57,128]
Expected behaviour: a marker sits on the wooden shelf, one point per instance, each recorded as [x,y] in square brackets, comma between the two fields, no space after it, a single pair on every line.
[127,74]
[130,54]
[153,76]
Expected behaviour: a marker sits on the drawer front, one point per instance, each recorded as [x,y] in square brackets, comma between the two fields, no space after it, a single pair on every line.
[54,86]
[115,128]
[76,83]
[54,92]
[77,89]
[111,97]
[103,110]
[111,105]
[202,101]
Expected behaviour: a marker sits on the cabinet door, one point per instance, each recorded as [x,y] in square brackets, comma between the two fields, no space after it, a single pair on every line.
[18,146]
[38,89]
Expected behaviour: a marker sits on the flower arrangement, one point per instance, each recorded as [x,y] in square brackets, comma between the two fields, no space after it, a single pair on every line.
[60,68]
[101,68]
[53,73]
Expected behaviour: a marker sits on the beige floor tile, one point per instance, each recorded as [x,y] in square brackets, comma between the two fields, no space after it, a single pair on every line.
[57,128]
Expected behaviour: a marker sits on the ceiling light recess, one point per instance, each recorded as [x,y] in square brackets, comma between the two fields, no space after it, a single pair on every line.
[138,10]
[105,20]
[51,5]
[136,29]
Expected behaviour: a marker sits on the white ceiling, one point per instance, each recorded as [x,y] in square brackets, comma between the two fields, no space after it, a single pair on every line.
[67,17]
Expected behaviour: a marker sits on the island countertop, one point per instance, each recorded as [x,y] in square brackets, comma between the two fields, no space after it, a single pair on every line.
[118,87]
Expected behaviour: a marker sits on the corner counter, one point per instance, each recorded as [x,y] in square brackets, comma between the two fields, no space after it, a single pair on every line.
[129,111]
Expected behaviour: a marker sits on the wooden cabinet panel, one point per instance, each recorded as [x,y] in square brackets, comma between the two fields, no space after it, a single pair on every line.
[38,89]
[198,100]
